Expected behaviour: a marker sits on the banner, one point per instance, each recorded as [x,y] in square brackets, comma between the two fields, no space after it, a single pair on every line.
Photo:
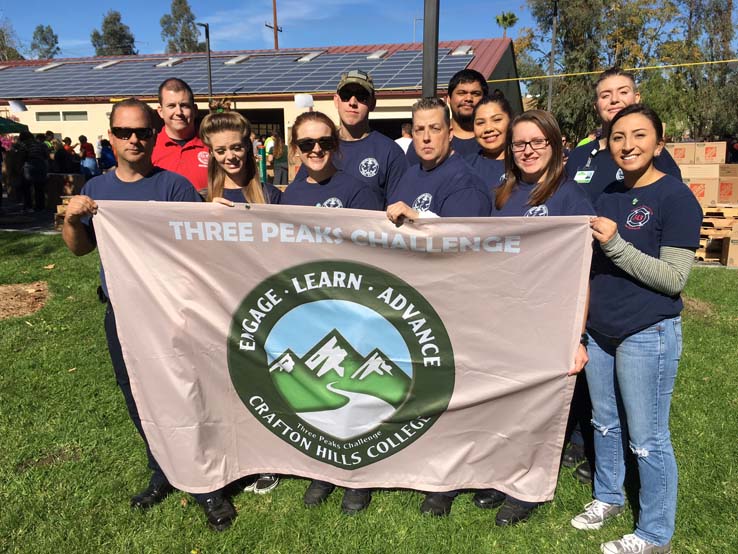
[331,344]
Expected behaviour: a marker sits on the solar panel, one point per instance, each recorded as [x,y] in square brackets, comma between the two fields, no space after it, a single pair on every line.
[274,73]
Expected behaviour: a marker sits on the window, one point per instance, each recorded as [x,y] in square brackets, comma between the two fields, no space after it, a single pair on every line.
[74,116]
[48,116]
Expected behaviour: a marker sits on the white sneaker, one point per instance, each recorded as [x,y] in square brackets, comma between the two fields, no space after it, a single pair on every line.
[265,483]
[595,514]
[631,544]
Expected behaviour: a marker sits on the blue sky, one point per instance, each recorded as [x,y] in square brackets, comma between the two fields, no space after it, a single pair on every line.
[237,25]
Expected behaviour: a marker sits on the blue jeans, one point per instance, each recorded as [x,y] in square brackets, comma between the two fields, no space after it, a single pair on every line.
[631,383]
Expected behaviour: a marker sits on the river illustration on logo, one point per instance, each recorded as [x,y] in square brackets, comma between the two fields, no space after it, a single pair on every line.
[343,361]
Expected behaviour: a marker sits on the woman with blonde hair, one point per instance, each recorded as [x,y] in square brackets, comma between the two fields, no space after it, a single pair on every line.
[232,173]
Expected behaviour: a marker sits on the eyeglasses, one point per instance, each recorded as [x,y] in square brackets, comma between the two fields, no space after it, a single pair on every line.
[361,95]
[308,144]
[535,144]
[124,133]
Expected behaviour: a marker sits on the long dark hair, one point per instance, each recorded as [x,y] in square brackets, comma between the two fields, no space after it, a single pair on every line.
[554,174]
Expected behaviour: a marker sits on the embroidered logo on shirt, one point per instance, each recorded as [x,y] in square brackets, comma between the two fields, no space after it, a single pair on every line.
[202,158]
[620,176]
[537,211]
[638,217]
[369,167]
[332,202]
[423,202]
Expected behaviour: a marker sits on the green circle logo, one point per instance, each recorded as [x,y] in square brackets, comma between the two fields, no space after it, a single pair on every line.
[345,362]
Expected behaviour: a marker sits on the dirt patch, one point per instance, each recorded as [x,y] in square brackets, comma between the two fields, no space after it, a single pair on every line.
[23,299]
[62,454]
[693,307]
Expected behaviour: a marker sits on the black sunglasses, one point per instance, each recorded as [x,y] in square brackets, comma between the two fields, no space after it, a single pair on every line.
[124,133]
[361,95]
[308,144]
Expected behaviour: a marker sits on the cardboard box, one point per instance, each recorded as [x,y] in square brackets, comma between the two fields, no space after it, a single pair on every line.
[714,191]
[708,171]
[682,152]
[728,192]
[730,249]
[709,152]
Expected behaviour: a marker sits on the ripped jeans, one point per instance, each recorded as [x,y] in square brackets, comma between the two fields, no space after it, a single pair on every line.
[631,383]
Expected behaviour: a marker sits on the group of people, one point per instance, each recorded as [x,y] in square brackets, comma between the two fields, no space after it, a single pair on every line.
[469,155]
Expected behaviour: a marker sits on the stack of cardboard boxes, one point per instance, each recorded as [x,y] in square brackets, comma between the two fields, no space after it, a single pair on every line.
[715,184]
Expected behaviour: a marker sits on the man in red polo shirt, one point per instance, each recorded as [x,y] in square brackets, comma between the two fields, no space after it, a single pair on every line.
[178,148]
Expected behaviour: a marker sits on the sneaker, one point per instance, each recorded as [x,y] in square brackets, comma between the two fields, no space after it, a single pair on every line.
[631,544]
[573,455]
[248,483]
[583,473]
[595,514]
[317,493]
[265,483]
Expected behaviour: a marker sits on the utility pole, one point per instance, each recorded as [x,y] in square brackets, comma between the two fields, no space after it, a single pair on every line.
[276,28]
[553,48]
[430,48]
[206,26]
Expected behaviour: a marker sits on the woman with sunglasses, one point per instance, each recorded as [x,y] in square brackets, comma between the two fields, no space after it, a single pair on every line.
[535,185]
[232,173]
[645,237]
[314,139]
[491,119]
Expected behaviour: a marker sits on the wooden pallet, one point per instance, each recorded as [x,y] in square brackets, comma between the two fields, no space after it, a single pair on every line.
[721,210]
[712,233]
[704,255]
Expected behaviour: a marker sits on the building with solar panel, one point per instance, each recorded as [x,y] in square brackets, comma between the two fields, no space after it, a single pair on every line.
[74,96]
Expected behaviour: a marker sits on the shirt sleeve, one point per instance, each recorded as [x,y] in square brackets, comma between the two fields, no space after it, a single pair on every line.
[682,219]
[466,202]
[397,166]
[364,199]
[579,202]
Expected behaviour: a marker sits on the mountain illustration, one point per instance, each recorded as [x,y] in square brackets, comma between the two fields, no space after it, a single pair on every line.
[303,381]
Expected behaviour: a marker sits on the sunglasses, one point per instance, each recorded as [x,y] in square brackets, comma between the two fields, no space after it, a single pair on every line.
[124,133]
[361,95]
[308,144]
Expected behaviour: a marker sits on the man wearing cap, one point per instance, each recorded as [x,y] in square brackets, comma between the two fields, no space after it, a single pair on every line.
[465,89]
[367,155]
[178,148]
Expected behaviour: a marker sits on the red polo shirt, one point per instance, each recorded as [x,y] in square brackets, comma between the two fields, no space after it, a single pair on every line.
[190,160]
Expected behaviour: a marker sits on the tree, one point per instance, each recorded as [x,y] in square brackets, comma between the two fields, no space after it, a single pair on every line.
[115,39]
[506,20]
[45,43]
[178,28]
[9,44]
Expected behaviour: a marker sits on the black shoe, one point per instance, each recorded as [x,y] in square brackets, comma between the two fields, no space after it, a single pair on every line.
[583,473]
[151,496]
[436,504]
[219,511]
[512,513]
[355,500]
[573,455]
[488,499]
[317,492]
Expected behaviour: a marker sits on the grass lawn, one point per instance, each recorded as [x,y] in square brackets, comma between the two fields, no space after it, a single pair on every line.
[70,458]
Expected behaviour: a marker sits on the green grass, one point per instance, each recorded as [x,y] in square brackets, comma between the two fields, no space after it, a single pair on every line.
[70,458]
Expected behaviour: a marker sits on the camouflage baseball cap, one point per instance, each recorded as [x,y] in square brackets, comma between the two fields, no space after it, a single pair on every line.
[357,77]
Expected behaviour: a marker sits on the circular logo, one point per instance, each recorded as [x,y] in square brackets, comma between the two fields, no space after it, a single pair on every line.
[343,361]
[369,167]
[423,202]
[638,217]
[619,176]
[202,158]
[537,211]
[332,202]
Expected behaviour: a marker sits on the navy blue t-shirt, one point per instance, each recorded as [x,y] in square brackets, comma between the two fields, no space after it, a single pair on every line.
[595,169]
[569,199]
[271,193]
[375,160]
[160,186]
[451,189]
[664,213]
[491,171]
[463,147]
[339,191]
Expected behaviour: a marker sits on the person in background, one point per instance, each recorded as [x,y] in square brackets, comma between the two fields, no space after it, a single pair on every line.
[135,179]
[35,158]
[407,136]
[492,116]
[465,89]
[646,233]
[277,158]
[107,156]
[88,161]
[178,148]
[69,147]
